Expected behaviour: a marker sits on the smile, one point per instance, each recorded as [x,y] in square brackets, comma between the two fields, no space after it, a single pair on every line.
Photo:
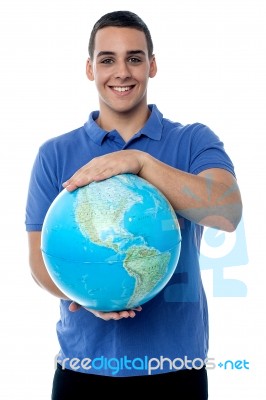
[122,88]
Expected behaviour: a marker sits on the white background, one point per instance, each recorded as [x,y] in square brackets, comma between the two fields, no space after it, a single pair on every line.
[212,61]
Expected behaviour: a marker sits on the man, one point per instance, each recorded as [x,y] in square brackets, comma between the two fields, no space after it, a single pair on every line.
[166,340]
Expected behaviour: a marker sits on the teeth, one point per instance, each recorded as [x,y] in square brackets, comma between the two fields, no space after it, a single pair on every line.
[121,89]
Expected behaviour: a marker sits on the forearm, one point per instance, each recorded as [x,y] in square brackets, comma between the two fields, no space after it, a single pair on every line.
[45,282]
[211,198]
[38,269]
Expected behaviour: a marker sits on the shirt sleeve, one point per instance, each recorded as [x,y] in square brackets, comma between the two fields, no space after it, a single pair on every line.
[43,189]
[207,151]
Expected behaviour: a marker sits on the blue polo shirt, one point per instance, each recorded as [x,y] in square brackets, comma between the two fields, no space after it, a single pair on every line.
[171,331]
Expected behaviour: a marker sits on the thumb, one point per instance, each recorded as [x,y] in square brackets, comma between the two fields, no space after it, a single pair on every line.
[74,306]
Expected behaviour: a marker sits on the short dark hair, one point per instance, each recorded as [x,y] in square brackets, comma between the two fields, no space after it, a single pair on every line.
[122,19]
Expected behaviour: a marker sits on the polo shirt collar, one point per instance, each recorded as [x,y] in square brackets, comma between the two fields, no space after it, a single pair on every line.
[152,128]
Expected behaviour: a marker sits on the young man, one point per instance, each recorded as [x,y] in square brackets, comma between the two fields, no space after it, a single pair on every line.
[166,340]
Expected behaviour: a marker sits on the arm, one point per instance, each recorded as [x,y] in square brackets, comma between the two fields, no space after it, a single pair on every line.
[37,266]
[42,278]
[211,198]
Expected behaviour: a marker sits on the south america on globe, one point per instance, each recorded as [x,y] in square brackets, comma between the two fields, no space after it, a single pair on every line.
[111,245]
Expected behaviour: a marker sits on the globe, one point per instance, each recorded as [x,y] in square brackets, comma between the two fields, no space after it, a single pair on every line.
[111,245]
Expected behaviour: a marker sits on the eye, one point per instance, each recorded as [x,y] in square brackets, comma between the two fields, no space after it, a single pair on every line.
[107,61]
[134,60]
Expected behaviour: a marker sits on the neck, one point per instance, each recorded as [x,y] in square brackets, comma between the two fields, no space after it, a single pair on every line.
[127,123]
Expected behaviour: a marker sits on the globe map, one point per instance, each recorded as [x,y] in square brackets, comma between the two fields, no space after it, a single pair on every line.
[111,245]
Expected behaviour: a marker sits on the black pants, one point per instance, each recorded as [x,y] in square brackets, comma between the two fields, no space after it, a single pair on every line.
[183,384]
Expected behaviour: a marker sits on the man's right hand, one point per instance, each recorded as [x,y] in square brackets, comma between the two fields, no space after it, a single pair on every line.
[107,316]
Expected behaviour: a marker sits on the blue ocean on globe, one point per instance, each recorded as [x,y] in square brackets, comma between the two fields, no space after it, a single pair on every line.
[111,245]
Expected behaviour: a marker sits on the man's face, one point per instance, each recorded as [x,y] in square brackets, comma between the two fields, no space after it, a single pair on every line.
[121,68]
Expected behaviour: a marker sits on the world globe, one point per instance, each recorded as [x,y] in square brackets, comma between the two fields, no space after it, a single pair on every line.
[111,245]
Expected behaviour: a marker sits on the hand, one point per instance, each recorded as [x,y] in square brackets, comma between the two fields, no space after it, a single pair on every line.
[107,316]
[103,167]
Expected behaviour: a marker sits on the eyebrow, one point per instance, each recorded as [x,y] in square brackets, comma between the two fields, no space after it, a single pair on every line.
[112,53]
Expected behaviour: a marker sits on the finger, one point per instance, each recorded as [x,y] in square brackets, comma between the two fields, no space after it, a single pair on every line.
[74,307]
[83,178]
[139,308]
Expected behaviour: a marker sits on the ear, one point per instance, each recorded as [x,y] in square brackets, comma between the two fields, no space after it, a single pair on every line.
[89,70]
[153,67]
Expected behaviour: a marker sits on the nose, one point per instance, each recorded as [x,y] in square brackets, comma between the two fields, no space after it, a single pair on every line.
[122,70]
